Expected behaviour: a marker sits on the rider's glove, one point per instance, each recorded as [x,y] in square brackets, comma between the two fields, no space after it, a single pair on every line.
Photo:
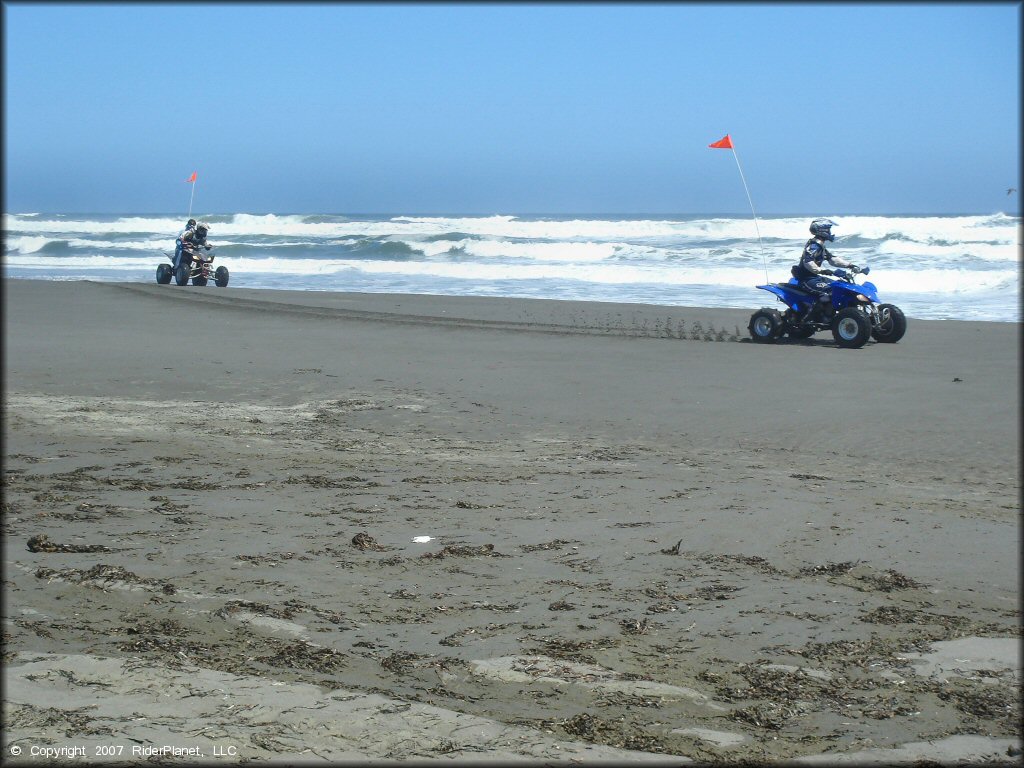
[854,268]
[208,247]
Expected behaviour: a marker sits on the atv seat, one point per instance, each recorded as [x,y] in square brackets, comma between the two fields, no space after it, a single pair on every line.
[794,288]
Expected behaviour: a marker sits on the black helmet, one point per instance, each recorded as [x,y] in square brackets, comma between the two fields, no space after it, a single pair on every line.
[191,223]
[823,228]
[202,229]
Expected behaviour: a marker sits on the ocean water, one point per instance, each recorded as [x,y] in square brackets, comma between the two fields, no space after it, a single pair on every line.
[936,267]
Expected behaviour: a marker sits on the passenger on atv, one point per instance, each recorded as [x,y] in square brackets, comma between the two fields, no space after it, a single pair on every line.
[189,226]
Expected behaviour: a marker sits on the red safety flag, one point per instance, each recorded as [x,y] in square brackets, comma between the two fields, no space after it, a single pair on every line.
[725,143]
[193,176]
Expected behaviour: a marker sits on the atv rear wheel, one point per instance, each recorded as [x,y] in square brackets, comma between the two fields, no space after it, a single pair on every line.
[182,274]
[850,328]
[765,326]
[891,324]
[163,274]
[220,277]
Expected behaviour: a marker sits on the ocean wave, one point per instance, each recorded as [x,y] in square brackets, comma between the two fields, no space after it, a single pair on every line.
[951,251]
[996,229]
[64,226]
[944,259]
[492,226]
[93,261]
[27,244]
[507,249]
[52,245]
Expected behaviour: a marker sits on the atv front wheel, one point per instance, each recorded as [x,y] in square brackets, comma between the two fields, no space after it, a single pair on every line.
[220,277]
[163,274]
[891,324]
[850,328]
[765,326]
[182,274]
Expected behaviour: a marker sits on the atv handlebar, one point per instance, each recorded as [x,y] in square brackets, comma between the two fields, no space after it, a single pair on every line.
[843,274]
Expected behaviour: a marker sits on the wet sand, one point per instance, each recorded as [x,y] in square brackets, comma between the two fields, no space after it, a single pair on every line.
[649,538]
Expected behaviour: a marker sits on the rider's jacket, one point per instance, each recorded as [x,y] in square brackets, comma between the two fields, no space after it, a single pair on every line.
[810,260]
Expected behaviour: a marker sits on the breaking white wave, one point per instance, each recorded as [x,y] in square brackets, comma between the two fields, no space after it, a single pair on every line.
[933,261]
[951,252]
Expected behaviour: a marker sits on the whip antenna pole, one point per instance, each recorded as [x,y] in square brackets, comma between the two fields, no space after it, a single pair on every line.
[192,180]
[756,227]
[726,143]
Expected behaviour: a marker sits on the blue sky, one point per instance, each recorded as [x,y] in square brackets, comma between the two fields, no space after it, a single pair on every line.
[512,108]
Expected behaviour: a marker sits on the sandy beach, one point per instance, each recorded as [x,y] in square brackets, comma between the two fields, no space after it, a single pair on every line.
[326,527]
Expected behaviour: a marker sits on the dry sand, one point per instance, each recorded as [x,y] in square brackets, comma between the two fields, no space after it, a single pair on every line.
[648,540]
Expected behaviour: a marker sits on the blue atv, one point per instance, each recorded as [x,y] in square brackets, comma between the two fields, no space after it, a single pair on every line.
[853,315]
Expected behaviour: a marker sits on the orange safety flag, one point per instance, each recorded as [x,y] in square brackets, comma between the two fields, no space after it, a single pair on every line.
[193,176]
[725,143]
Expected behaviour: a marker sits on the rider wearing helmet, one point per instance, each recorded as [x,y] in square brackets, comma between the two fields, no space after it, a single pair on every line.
[189,226]
[196,238]
[809,271]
